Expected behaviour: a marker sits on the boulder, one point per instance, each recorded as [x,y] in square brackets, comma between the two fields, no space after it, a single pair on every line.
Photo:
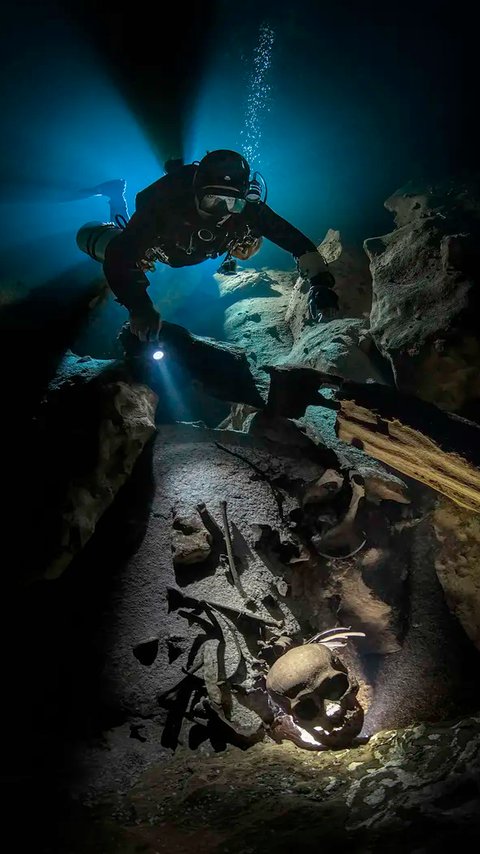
[457,561]
[424,316]
[92,427]
[250,284]
[353,283]
[343,347]
[258,325]
[191,542]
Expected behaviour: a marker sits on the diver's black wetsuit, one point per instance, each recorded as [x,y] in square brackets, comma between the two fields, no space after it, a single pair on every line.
[167,227]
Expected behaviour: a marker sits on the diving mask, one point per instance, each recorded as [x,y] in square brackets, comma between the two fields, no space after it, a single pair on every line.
[214,203]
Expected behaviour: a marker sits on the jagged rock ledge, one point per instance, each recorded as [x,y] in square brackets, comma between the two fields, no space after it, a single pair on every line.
[407,790]
[412,436]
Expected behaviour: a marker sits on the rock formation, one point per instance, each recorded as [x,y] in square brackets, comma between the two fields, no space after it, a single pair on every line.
[408,789]
[327,475]
[425,293]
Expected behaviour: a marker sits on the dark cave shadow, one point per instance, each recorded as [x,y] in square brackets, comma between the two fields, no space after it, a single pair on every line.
[430,677]
[267,550]
[180,699]
[240,547]
[55,669]
[61,448]
[177,709]
[382,365]
[195,619]
[207,726]
[217,734]
[36,331]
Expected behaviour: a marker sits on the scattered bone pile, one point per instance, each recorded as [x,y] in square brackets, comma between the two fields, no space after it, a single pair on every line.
[324,548]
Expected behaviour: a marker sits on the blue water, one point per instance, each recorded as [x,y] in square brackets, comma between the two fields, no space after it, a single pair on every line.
[258,97]
[337,108]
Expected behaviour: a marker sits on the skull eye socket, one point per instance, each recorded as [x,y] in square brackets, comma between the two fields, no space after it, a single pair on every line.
[334,688]
[306,709]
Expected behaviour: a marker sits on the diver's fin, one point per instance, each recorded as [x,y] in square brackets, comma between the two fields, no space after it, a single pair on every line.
[111,189]
[114,191]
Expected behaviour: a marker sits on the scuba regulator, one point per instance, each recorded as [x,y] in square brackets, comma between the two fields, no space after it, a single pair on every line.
[257,189]
[249,244]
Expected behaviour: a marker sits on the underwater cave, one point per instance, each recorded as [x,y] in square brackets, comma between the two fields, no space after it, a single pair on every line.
[241,556]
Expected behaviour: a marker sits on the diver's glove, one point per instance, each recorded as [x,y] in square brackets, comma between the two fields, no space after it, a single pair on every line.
[145,323]
[322,300]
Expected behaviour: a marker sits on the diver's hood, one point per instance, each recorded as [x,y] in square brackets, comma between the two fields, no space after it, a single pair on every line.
[224,172]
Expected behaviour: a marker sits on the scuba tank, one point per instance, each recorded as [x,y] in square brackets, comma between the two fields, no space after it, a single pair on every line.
[94,237]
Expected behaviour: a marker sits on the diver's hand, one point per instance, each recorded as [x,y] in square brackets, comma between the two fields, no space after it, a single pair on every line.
[322,300]
[146,324]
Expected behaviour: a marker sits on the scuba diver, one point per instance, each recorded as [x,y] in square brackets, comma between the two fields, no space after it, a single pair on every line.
[196,211]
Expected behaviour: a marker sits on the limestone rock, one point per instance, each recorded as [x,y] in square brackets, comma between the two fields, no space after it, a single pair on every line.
[251,284]
[255,307]
[425,306]
[417,201]
[267,316]
[191,542]
[341,347]
[414,789]
[101,423]
[457,562]
[259,326]
[218,369]
[353,284]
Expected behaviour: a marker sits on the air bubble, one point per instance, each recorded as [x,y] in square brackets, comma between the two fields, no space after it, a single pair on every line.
[258,94]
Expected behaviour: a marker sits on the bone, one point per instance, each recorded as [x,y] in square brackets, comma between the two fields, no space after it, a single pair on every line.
[338,636]
[323,489]
[231,559]
[179,598]
[345,533]
[211,673]
[304,681]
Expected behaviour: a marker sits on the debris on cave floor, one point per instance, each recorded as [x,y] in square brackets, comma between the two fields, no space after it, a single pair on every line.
[184,648]
[174,630]
[410,790]
[191,541]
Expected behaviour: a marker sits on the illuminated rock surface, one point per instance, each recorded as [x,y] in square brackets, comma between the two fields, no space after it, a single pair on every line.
[406,790]
[353,284]
[425,293]
[457,562]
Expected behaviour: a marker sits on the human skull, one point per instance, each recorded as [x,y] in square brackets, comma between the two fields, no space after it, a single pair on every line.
[312,685]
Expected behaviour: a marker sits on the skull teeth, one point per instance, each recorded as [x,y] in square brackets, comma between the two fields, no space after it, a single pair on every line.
[332,708]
